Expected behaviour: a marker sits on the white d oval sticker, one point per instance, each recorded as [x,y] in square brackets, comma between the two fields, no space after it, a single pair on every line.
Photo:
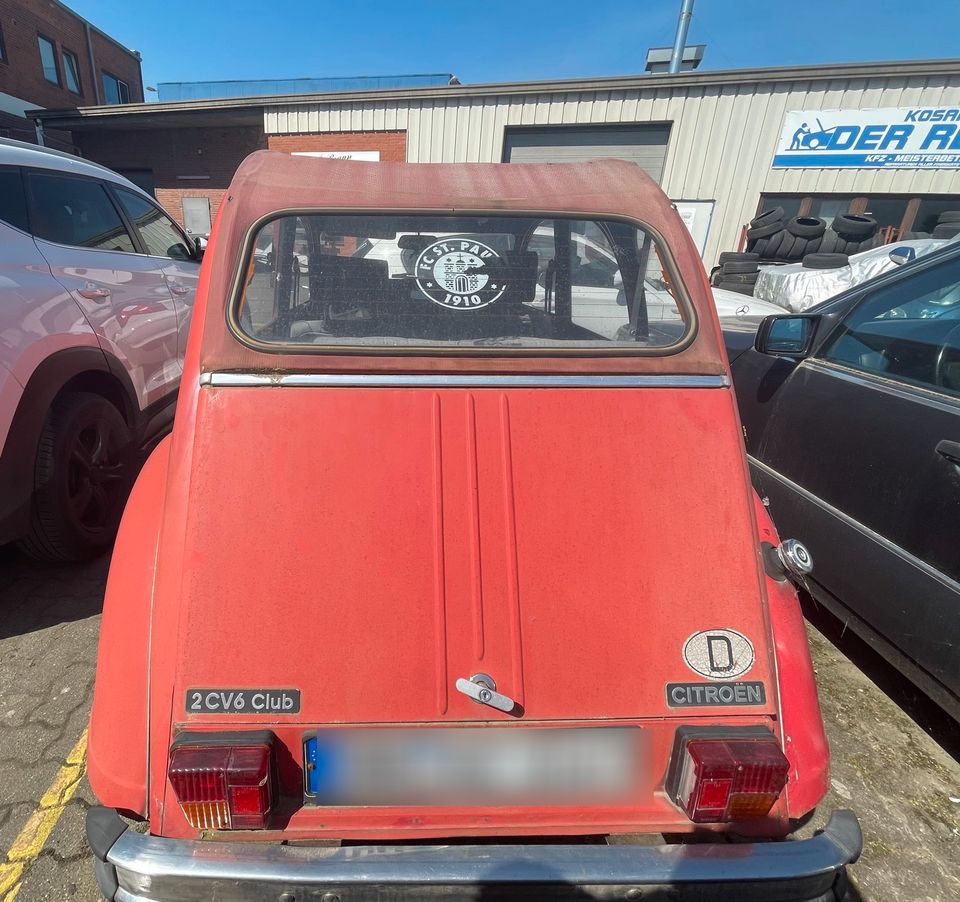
[719,654]
[459,274]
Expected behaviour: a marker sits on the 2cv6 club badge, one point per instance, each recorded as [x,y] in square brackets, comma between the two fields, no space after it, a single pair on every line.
[456,273]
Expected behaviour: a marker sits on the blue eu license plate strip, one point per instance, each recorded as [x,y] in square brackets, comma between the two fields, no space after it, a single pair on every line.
[473,766]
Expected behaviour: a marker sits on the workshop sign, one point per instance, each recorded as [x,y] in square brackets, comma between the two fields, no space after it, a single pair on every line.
[888,138]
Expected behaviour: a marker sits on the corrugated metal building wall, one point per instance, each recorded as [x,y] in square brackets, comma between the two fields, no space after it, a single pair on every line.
[723,126]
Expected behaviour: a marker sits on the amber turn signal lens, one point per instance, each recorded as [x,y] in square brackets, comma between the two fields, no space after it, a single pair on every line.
[730,779]
[223,787]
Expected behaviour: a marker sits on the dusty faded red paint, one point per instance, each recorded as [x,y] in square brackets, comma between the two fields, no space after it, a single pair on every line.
[370,545]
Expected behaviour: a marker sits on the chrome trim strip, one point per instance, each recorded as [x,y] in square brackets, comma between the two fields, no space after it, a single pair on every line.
[458,380]
[154,868]
[927,396]
[892,547]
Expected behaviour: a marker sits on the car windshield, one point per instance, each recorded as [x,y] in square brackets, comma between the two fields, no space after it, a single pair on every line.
[459,282]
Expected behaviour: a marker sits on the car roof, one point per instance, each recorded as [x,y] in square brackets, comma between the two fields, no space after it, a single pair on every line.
[269,184]
[19,153]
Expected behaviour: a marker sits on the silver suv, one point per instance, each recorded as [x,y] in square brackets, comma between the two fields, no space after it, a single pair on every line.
[96,289]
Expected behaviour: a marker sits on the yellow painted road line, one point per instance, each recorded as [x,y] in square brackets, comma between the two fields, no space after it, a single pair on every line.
[33,837]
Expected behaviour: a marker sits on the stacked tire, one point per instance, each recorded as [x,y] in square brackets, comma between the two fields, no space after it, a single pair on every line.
[948,225]
[737,272]
[780,241]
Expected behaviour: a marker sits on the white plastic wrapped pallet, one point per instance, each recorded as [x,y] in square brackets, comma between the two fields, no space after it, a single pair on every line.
[797,288]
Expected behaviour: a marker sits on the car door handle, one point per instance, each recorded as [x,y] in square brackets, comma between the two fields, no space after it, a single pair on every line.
[179,290]
[94,294]
[949,450]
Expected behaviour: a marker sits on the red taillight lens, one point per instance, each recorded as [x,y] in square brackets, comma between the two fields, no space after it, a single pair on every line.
[223,786]
[729,779]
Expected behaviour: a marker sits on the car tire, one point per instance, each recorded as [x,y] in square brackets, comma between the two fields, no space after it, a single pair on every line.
[759,247]
[737,257]
[913,236]
[793,248]
[828,242]
[806,226]
[774,243]
[739,266]
[947,230]
[741,278]
[82,476]
[775,214]
[854,227]
[948,216]
[765,230]
[825,261]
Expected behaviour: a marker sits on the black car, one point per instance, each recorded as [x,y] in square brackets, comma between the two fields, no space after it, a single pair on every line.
[851,413]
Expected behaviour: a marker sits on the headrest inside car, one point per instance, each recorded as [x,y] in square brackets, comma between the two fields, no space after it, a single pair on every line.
[415,242]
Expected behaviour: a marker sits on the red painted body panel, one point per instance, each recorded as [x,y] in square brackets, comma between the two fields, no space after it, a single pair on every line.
[369,546]
[804,739]
[117,744]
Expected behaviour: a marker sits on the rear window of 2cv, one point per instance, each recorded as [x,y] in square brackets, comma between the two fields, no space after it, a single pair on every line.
[330,281]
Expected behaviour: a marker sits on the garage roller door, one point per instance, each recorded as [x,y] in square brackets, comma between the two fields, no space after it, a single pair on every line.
[645,145]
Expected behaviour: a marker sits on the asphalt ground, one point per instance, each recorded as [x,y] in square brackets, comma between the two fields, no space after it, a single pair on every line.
[895,758]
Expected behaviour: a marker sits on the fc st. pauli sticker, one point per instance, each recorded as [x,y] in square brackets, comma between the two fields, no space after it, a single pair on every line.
[460,274]
[719,654]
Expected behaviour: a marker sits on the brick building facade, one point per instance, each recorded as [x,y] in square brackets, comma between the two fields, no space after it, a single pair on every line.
[52,58]
[187,152]
[175,163]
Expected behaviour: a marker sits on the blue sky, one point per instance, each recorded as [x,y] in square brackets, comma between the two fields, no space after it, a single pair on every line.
[507,40]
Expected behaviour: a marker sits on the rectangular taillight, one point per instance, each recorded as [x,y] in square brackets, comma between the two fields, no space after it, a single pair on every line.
[720,776]
[224,781]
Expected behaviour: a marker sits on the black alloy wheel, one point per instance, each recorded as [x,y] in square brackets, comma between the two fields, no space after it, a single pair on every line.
[83,473]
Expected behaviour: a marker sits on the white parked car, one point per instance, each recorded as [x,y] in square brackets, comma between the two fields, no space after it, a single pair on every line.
[96,291]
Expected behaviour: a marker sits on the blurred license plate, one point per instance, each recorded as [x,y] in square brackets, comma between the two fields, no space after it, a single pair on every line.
[473,766]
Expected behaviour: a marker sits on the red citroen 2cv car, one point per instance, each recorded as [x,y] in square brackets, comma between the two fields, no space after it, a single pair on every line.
[450,580]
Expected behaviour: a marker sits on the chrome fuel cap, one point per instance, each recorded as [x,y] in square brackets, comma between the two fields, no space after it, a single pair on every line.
[795,557]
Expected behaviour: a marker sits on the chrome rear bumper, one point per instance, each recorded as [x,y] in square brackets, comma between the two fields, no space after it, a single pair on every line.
[133,867]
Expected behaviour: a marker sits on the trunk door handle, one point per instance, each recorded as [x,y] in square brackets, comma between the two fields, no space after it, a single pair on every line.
[179,290]
[483,690]
[949,450]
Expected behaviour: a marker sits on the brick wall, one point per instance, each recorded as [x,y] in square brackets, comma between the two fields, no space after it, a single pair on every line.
[392,145]
[207,157]
[21,72]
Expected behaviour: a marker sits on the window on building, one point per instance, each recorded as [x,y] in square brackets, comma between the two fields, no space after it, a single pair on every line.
[76,211]
[828,208]
[48,59]
[161,237]
[896,214]
[115,90]
[791,205]
[929,212]
[71,71]
[3,49]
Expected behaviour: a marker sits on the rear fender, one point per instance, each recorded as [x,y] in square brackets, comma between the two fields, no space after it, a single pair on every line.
[804,739]
[117,755]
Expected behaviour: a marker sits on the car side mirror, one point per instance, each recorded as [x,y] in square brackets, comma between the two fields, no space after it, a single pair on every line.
[199,246]
[786,336]
[901,255]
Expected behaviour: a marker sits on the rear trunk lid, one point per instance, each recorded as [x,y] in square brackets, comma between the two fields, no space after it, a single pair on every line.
[368,547]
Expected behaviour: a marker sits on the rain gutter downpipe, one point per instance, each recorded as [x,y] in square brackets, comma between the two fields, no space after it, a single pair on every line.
[680,41]
[93,64]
